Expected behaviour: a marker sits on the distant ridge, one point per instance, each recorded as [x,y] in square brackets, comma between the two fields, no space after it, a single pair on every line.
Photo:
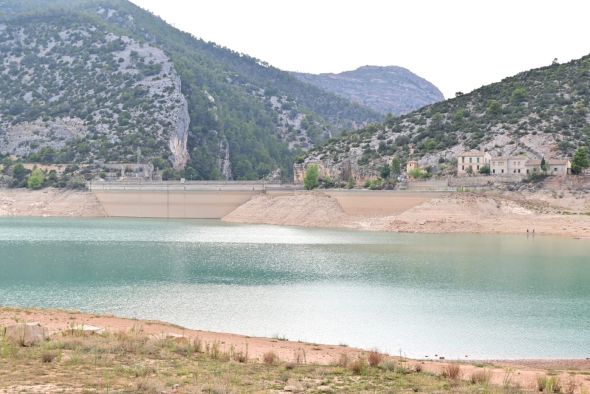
[390,89]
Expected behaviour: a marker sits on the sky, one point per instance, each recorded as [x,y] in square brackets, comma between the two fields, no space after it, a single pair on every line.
[459,45]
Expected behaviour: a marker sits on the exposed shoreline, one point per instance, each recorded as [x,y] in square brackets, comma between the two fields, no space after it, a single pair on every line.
[546,212]
[521,372]
[490,213]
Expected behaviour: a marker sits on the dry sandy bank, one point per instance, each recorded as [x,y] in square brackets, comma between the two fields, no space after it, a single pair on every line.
[49,202]
[523,373]
[508,213]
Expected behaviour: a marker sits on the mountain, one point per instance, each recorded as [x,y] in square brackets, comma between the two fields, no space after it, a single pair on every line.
[394,90]
[103,81]
[543,112]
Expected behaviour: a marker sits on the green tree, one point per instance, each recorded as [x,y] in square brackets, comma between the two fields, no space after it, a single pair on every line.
[485,170]
[310,181]
[36,180]
[494,107]
[396,166]
[518,95]
[580,160]
[19,175]
[544,166]
[385,171]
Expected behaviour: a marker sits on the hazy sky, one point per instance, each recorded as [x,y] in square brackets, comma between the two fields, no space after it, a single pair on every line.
[459,45]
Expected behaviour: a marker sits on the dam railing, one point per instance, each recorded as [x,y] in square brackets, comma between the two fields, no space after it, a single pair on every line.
[166,186]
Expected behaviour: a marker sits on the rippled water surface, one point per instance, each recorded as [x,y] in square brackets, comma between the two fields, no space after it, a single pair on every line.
[478,295]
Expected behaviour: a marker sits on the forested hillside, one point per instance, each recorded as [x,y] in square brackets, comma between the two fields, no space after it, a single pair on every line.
[388,90]
[95,81]
[543,112]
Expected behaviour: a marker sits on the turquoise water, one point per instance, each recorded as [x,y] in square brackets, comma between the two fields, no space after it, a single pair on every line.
[482,296]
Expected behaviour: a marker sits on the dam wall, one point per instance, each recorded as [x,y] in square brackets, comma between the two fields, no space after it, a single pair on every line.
[214,200]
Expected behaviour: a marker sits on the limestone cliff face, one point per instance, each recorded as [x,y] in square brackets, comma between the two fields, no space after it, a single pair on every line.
[179,136]
[224,160]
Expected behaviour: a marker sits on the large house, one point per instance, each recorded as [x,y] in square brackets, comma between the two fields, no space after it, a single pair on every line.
[511,165]
[472,162]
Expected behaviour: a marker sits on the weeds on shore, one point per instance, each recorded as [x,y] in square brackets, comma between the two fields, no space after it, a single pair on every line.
[136,362]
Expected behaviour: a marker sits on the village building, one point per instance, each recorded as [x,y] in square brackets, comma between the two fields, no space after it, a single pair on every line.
[511,165]
[559,167]
[412,165]
[472,162]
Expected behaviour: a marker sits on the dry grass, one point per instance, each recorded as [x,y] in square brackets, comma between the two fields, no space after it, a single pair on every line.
[270,358]
[549,384]
[135,362]
[358,366]
[452,371]
[480,377]
[343,360]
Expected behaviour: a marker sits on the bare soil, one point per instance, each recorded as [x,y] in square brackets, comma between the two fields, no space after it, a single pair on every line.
[549,213]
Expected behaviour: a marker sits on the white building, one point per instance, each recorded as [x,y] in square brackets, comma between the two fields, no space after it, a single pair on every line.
[512,165]
[474,159]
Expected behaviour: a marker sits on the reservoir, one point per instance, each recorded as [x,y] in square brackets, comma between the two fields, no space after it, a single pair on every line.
[452,295]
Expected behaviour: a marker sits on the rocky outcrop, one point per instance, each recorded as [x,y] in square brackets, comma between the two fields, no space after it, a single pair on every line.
[24,138]
[179,138]
[224,160]
[25,334]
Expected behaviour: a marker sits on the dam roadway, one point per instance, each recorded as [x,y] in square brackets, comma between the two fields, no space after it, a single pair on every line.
[216,199]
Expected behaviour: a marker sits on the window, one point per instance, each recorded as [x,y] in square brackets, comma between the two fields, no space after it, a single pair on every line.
[470,160]
[519,170]
[494,171]
[502,171]
[527,171]
[463,168]
[555,169]
[462,159]
[478,165]
[478,159]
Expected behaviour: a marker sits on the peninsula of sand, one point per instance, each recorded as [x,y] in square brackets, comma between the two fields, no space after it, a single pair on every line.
[563,213]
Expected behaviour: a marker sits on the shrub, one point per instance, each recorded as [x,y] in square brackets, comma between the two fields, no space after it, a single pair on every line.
[270,358]
[47,357]
[480,377]
[548,384]
[311,179]
[388,366]
[358,366]
[374,184]
[418,173]
[36,180]
[452,371]
[485,170]
[343,360]
[374,358]
[580,160]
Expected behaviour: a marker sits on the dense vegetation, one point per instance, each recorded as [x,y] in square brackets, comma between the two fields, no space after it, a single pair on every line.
[97,66]
[541,113]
